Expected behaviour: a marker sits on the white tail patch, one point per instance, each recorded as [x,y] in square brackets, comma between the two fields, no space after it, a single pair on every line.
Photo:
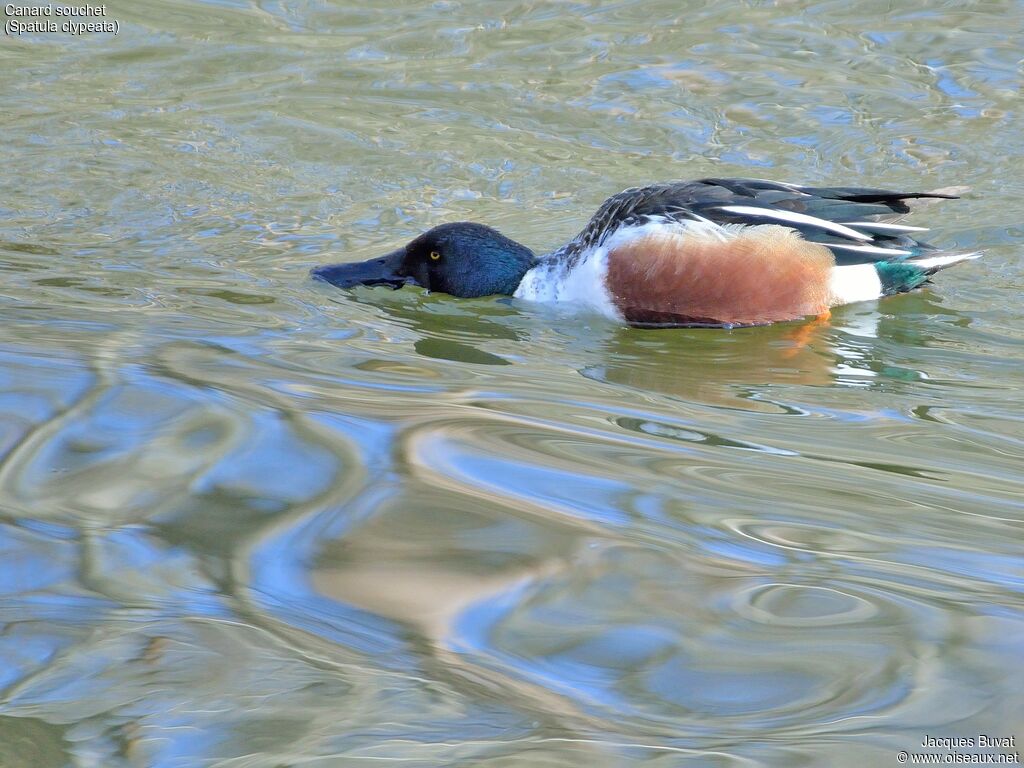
[857,282]
[793,217]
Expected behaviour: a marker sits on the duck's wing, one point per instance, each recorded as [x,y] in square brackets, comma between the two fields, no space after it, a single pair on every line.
[847,220]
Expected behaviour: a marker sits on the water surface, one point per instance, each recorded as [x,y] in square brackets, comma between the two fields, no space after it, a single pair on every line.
[249,520]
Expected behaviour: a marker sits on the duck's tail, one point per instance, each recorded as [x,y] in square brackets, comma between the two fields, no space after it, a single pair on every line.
[903,276]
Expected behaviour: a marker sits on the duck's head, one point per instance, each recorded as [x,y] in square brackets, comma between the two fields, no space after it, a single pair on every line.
[462,259]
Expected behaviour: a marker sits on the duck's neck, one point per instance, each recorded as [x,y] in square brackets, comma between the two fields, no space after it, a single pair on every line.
[507,262]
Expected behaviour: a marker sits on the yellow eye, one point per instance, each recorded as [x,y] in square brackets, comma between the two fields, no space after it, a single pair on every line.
[434,255]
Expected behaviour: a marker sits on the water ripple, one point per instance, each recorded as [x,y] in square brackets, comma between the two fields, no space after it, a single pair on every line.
[248,518]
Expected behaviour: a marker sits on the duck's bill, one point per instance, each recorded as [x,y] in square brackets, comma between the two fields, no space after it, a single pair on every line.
[383,271]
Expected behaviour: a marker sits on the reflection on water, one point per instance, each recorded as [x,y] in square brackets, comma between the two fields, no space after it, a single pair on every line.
[247,519]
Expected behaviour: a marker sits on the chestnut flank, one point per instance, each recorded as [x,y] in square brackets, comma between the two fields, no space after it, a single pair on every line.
[761,274]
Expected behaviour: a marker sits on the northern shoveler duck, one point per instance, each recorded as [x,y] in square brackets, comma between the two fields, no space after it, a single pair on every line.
[717,252]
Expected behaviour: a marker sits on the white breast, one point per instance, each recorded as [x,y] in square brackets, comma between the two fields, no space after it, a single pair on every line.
[555,278]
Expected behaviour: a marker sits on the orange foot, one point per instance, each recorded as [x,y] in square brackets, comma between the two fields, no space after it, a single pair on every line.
[803,335]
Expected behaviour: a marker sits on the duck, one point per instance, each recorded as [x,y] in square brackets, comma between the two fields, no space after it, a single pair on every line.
[714,252]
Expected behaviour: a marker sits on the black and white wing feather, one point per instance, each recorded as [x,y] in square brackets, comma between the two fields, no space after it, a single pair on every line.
[848,220]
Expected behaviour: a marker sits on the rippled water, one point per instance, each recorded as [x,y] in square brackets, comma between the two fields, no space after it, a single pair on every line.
[249,520]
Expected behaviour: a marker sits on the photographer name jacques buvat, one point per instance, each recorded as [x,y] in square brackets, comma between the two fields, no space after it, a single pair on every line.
[960,742]
[39,18]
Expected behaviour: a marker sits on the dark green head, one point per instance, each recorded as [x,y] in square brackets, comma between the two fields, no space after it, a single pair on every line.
[462,259]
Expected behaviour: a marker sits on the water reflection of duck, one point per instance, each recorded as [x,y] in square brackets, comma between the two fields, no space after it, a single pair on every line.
[718,252]
[718,369]
[434,592]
